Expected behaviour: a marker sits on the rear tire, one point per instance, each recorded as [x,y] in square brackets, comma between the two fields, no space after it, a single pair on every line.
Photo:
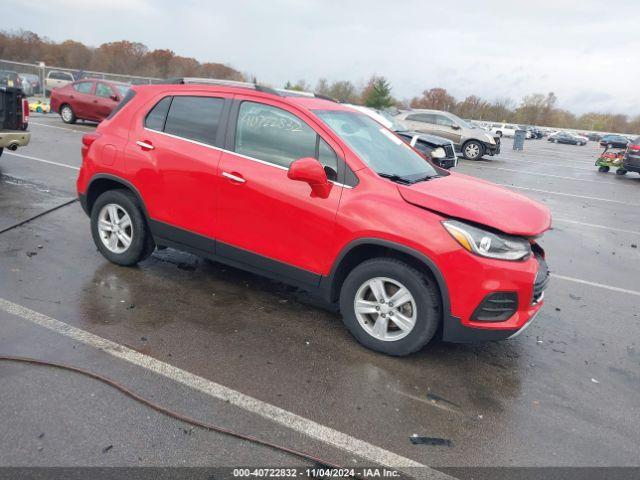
[603,169]
[131,242]
[621,171]
[473,150]
[419,311]
[67,114]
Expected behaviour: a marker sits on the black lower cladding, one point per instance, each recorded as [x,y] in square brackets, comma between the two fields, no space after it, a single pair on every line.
[454,332]
[496,307]
[170,236]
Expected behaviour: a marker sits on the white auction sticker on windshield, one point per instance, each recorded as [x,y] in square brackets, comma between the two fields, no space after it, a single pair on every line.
[391,136]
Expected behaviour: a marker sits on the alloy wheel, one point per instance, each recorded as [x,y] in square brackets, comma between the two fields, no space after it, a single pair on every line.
[115,228]
[385,309]
[472,150]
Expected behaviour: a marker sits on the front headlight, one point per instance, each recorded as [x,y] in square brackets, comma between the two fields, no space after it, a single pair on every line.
[438,153]
[490,139]
[488,244]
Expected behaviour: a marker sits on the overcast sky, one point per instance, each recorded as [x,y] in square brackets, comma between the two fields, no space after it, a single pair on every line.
[585,51]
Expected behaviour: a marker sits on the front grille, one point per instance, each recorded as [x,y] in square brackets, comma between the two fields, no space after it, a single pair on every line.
[542,280]
[496,307]
[448,149]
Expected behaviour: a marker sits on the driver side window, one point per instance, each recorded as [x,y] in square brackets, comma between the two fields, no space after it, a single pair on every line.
[276,136]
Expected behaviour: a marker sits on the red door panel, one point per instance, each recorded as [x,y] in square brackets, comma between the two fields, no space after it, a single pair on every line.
[263,211]
[273,216]
[177,179]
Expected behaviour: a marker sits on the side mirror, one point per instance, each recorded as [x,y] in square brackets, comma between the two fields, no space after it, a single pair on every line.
[455,127]
[311,171]
[115,98]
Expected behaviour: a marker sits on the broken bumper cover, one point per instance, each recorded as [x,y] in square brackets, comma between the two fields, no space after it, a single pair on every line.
[525,292]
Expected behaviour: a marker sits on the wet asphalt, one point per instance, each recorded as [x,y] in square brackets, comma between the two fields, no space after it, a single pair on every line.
[564,393]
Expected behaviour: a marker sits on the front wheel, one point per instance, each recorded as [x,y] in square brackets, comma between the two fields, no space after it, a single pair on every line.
[621,171]
[119,229]
[603,169]
[390,307]
[473,150]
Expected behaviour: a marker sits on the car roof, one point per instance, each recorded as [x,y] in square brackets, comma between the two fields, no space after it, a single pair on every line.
[301,100]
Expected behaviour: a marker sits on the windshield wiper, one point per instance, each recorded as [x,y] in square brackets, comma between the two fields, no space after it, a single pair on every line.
[425,178]
[395,178]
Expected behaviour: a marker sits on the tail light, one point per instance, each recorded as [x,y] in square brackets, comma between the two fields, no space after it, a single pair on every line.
[87,141]
[25,113]
[635,147]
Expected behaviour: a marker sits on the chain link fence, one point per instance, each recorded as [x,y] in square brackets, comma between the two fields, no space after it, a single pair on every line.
[38,79]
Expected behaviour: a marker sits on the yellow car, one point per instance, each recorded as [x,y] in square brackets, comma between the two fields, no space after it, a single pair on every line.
[39,107]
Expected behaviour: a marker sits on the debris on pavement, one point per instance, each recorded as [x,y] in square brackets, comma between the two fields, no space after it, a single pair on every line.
[107,448]
[434,441]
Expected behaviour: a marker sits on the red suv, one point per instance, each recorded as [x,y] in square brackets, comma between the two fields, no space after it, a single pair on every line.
[315,194]
[87,99]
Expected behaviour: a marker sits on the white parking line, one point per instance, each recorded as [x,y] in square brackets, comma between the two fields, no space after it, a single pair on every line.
[528,172]
[55,126]
[571,195]
[595,284]
[594,225]
[278,415]
[43,160]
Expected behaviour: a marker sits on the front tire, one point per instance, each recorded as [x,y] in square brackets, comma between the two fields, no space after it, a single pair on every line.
[473,150]
[621,171]
[390,307]
[67,114]
[603,169]
[119,228]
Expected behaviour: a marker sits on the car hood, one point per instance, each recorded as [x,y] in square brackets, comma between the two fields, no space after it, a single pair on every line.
[468,198]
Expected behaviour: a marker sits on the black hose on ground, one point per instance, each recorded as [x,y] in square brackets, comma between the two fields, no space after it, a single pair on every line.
[19,224]
[178,416]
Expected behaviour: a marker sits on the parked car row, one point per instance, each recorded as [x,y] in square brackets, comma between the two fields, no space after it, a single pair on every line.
[568,138]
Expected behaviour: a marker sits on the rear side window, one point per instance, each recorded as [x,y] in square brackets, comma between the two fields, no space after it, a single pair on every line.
[156,117]
[194,118]
[103,90]
[273,135]
[83,87]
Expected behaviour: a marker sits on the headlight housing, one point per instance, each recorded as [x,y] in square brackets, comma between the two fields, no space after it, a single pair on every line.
[488,244]
[438,153]
[490,139]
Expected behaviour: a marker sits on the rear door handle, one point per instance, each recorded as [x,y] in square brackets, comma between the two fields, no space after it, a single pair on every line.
[145,145]
[233,177]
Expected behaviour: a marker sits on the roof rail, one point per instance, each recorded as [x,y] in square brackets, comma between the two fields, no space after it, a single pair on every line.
[281,92]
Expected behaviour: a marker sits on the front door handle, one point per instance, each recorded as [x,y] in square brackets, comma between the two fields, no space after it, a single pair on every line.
[146,146]
[233,177]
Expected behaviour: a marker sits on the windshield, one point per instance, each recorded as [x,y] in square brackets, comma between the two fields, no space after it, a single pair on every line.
[380,149]
[459,121]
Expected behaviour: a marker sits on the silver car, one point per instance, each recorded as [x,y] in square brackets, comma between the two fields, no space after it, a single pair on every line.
[471,141]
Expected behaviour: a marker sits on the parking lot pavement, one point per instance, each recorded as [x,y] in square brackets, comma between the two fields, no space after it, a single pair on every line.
[563,393]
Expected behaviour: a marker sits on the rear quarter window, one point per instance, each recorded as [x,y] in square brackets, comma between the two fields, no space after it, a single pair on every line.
[157,115]
[194,118]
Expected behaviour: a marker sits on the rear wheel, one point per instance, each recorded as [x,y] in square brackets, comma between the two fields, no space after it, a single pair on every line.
[499,133]
[603,169]
[389,306]
[67,114]
[621,171]
[119,229]
[473,150]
